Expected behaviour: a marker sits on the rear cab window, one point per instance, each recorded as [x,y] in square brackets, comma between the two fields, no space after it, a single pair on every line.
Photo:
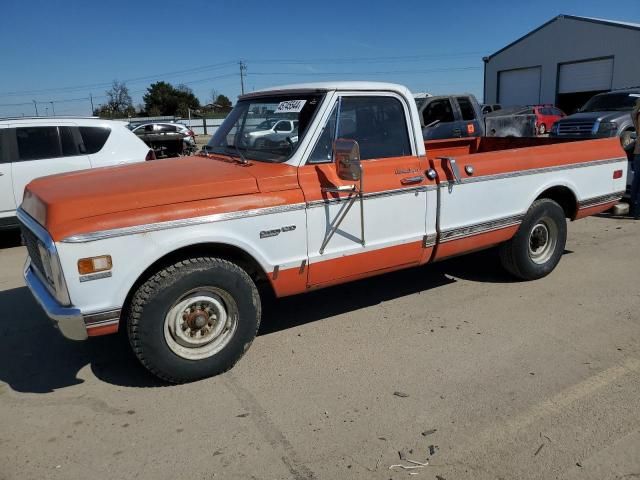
[439,110]
[466,108]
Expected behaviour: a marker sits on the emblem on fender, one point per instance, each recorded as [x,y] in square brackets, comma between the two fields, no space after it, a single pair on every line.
[276,231]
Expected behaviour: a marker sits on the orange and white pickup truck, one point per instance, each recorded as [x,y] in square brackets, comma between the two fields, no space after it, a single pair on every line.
[177,252]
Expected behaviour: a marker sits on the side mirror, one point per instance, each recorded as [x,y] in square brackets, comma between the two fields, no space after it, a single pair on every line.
[346,155]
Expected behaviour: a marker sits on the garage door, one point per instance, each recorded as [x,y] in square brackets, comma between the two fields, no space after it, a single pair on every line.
[519,87]
[594,75]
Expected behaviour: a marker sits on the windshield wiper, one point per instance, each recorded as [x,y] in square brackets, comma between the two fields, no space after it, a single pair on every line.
[240,158]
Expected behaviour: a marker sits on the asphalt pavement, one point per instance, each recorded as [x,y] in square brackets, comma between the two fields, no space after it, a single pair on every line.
[454,364]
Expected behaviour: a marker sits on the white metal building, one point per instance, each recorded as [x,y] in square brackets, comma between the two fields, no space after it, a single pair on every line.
[564,62]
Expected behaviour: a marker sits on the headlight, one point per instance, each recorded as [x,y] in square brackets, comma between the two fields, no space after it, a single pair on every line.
[607,129]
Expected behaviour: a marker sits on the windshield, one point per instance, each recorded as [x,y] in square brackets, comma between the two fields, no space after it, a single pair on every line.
[611,101]
[254,129]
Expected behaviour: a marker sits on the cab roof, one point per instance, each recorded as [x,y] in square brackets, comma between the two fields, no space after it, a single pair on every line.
[330,86]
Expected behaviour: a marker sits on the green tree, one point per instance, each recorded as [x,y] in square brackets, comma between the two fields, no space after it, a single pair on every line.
[119,103]
[223,103]
[162,98]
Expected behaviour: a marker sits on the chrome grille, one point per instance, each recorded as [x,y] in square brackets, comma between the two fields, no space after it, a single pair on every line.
[31,242]
[581,128]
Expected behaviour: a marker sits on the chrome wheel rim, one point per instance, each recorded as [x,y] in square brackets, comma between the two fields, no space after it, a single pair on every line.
[201,323]
[542,241]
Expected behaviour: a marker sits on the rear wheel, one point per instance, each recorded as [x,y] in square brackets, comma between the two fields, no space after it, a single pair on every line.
[194,319]
[536,248]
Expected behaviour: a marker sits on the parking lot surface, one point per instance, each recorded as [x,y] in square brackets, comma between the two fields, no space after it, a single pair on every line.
[454,363]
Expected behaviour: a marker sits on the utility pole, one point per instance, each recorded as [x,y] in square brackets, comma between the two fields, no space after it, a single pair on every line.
[53,109]
[91,98]
[243,70]
[35,105]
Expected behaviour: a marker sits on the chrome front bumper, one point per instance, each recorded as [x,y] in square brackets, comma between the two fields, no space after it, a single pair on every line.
[69,320]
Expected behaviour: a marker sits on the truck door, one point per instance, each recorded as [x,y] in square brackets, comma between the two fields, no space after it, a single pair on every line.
[7,200]
[393,212]
[42,151]
[439,119]
[469,124]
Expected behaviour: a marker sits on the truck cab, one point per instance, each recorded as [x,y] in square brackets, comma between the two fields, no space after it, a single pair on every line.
[450,116]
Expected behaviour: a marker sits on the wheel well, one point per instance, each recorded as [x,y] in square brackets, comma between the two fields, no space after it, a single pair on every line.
[220,250]
[564,197]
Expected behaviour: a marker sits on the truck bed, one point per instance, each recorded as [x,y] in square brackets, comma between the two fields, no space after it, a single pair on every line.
[466,146]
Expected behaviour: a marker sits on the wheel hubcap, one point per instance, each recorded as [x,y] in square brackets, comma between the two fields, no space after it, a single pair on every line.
[201,323]
[542,241]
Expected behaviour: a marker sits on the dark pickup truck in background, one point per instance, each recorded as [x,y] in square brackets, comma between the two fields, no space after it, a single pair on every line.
[457,116]
[604,115]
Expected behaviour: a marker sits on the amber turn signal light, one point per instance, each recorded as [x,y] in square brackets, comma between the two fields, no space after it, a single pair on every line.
[94,264]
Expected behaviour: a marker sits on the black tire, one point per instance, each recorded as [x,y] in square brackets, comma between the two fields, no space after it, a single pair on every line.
[526,255]
[148,323]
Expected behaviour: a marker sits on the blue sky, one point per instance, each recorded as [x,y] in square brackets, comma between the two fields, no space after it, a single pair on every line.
[62,51]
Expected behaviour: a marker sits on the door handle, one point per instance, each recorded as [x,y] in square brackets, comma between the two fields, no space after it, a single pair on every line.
[410,180]
[1,174]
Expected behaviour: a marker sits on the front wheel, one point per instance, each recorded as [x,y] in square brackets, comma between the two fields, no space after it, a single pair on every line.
[194,319]
[537,246]
[542,129]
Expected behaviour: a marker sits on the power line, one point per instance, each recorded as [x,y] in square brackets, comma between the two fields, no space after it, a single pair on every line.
[107,84]
[335,61]
[403,72]
[303,61]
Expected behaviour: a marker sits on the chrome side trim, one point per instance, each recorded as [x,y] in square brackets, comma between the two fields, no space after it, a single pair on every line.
[184,222]
[429,240]
[372,195]
[477,228]
[102,318]
[600,200]
[535,171]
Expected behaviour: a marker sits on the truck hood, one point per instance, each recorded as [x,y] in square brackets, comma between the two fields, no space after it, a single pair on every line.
[91,193]
[599,116]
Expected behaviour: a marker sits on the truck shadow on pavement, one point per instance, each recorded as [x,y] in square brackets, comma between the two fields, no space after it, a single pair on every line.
[10,238]
[35,358]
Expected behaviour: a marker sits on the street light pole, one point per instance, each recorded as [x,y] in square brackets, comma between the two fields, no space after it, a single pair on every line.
[53,109]
[36,106]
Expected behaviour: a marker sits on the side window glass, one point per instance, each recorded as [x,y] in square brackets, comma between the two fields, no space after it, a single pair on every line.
[167,128]
[36,143]
[322,152]
[283,126]
[94,138]
[3,149]
[438,110]
[68,141]
[378,125]
[466,109]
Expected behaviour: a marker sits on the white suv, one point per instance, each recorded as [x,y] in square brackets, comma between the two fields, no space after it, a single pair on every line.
[36,147]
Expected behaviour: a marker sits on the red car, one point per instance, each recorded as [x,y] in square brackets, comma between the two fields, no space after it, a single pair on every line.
[546,116]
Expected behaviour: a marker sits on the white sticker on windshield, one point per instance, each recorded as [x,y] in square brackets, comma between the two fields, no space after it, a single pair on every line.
[290,106]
